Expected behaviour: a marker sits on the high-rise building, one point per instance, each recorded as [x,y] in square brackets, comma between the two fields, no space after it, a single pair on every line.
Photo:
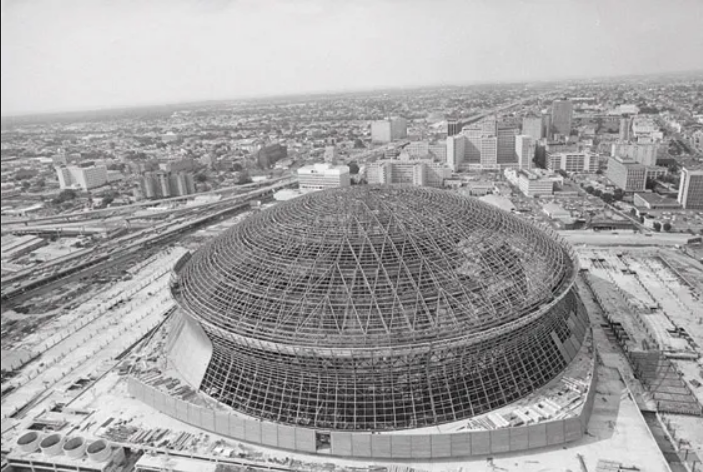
[322,176]
[532,126]
[505,135]
[421,172]
[525,150]
[547,126]
[84,177]
[456,150]
[453,127]
[643,153]
[691,189]
[627,174]
[488,148]
[575,162]
[482,143]
[391,129]
[625,127]
[562,116]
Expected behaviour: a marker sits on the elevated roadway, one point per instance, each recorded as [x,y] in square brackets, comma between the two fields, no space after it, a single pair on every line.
[38,276]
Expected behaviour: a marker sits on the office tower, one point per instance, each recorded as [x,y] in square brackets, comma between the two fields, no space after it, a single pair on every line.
[547,125]
[453,127]
[506,143]
[627,174]
[456,149]
[532,126]
[482,144]
[489,151]
[421,172]
[322,176]
[574,162]
[472,152]
[691,189]
[525,150]
[84,177]
[562,116]
[391,129]
[625,125]
[643,153]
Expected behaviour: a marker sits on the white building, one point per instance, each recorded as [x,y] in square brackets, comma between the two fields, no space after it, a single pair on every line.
[645,129]
[691,189]
[84,177]
[532,182]
[421,172]
[525,149]
[576,162]
[322,176]
[643,153]
[532,126]
[391,129]
[456,149]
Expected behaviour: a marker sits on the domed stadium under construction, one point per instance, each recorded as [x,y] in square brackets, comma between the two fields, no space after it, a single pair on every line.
[376,309]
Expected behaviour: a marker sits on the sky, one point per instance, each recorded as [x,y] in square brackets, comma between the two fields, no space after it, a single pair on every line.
[64,55]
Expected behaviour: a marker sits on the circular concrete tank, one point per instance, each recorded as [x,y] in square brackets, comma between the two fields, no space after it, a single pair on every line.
[99,451]
[29,442]
[51,445]
[74,447]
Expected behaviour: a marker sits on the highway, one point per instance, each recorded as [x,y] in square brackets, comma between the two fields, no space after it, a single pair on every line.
[102,214]
[22,282]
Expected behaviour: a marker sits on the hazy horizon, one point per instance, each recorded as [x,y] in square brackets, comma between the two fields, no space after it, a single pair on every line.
[79,55]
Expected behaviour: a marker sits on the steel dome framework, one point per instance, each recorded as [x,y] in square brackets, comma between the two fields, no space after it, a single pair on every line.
[380,308]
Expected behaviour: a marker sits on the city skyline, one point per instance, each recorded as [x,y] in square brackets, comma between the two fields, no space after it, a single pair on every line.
[83,56]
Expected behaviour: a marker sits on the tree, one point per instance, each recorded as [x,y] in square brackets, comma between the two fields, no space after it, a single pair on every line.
[201,177]
[618,194]
[667,227]
[65,196]
[353,168]
[657,226]
[607,197]
[358,144]
[590,189]
[598,192]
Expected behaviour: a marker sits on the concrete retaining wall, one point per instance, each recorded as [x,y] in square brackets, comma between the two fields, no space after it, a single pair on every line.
[369,445]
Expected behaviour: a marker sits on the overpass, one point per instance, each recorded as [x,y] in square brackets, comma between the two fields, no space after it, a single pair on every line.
[38,276]
[123,209]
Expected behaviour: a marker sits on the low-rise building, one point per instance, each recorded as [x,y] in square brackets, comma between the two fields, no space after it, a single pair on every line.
[322,176]
[654,201]
[574,162]
[422,172]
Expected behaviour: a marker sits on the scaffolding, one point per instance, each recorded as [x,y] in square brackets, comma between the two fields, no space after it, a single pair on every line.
[381,308]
